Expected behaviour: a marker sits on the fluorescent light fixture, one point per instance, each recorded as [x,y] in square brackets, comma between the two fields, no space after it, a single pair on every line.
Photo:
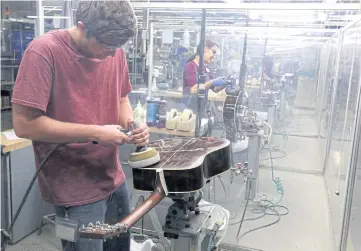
[48,17]
[322,16]
[233,1]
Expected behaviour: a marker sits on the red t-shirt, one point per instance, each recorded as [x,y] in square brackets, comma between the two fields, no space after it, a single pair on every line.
[56,79]
[190,75]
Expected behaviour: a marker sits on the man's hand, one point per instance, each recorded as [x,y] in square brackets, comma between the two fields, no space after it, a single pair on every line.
[140,135]
[111,135]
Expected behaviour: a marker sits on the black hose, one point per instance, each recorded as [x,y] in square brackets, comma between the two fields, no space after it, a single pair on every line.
[5,239]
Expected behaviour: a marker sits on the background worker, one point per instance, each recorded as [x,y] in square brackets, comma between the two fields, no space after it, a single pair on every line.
[73,86]
[190,76]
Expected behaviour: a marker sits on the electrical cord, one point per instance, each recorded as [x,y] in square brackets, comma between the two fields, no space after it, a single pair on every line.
[41,166]
[264,226]
[245,209]
[223,186]
[275,150]
[269,207]
[276,180]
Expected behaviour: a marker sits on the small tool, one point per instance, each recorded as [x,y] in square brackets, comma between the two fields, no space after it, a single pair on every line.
[143,156]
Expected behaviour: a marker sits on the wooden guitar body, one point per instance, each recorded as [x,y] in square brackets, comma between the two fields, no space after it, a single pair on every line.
[187,163]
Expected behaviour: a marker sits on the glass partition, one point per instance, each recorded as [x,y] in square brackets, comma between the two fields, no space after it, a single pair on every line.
[354,230]
[345,84]
[292,158]
[300,62]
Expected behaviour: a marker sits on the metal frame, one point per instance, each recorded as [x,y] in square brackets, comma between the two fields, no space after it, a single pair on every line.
[254,150]
[321,86]
[346,112]
[351,174]
[39,30]
[265,29]
[351,169]
[333,99]
[250,6]
[150,58]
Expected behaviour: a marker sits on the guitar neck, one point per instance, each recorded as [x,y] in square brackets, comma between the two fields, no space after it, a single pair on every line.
[104,231]
[157,196]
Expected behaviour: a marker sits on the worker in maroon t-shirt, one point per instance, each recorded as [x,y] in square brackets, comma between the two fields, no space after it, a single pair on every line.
[72,86]
[190,76]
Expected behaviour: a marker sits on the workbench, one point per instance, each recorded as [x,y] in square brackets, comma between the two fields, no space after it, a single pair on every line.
[178,95]
[170,132]
[17,170]
[212,96]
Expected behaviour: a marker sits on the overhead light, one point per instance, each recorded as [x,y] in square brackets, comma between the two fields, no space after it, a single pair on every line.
[322,16]
[48,17]
[253,15]
[233,1]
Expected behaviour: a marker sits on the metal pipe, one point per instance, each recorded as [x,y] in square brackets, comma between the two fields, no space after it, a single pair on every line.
[150,58]
[67,13]
[222,53]
[351,24]
[333,101]
[157,196]
[267,29]
[201,79]
[40,18]
[146,19]
[346,115]
[135,57]
[320,91]
[249,6]
[145,27]
[243,66]
[254,148]
[329,54]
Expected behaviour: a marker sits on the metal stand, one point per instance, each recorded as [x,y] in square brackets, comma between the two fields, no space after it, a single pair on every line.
[254,149]
[282,103]
[192,238]
[271,114]
[187,226]
[50,218]
[201,233]
[154,219]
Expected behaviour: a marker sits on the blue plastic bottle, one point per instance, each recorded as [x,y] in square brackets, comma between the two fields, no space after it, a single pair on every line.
[152,112]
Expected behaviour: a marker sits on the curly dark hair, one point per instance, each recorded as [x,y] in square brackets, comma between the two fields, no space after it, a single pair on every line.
[111,23]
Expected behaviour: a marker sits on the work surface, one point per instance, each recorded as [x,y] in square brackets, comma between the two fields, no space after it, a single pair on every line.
[11,144]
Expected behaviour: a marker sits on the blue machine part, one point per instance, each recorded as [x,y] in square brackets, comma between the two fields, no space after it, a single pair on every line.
[152,112]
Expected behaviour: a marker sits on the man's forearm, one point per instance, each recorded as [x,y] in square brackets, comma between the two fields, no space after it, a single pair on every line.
[46,129]
[125,112]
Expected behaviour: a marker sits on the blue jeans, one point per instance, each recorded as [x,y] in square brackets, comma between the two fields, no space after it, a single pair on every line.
[109,210]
